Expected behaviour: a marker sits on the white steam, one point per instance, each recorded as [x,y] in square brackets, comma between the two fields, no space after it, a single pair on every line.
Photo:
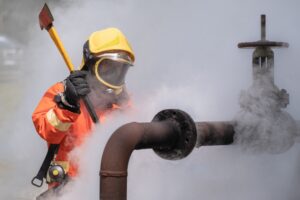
[262,126]
[187,59]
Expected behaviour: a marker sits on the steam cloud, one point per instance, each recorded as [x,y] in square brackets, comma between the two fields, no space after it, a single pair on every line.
[262,126]
[186,59]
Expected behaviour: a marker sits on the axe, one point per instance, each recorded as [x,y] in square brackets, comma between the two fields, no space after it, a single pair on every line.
[46,19]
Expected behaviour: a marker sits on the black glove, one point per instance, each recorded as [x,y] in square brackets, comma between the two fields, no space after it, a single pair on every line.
[76,87]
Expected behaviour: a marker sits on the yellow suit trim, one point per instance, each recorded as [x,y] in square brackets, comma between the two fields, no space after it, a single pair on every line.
[56,123]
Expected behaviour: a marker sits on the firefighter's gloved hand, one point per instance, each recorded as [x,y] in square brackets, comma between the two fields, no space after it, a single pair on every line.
[76,87]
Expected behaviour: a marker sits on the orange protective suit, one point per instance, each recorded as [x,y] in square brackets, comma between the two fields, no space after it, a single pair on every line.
[61,126]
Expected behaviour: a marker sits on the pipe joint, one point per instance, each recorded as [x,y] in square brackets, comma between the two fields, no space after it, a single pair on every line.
[187,134]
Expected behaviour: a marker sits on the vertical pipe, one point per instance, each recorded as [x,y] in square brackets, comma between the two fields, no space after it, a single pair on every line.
[116,155]
[263,27]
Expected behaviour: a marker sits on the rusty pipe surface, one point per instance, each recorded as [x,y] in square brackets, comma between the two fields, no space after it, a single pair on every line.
[214,133]
[172,135]
[113,184]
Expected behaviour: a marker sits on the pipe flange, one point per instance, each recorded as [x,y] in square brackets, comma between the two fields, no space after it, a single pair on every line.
[187,134]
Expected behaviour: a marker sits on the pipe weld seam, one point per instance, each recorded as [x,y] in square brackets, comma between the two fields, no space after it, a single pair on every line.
[107,173]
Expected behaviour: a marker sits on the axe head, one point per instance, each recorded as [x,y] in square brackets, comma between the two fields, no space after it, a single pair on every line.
[45,18]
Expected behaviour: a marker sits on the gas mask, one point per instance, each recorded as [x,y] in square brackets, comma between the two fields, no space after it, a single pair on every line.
[108,55]
[107,78]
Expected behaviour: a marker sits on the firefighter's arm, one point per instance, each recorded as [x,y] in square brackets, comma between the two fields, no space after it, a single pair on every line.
[50,120]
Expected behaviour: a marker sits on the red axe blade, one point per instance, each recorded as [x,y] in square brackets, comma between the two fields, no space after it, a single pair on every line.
[45,18]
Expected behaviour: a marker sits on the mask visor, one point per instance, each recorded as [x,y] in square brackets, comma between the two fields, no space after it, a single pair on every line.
[112,71]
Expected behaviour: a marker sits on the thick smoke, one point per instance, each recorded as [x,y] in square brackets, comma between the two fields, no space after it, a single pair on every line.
[187,59]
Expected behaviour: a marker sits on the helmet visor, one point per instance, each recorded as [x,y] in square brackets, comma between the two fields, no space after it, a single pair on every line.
[111,71]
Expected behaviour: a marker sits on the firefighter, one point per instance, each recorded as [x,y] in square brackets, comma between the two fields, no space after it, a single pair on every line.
[61,117]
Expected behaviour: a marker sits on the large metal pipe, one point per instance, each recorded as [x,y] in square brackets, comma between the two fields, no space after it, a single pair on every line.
[113,184]
[172,134]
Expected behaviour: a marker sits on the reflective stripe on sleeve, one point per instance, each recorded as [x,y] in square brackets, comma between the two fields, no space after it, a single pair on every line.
[56,123]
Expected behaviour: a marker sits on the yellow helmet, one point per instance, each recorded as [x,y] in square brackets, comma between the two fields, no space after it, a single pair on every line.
[103,41]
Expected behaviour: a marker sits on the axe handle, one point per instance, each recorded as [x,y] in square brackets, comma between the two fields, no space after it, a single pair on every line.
[88,104]
[60,46]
